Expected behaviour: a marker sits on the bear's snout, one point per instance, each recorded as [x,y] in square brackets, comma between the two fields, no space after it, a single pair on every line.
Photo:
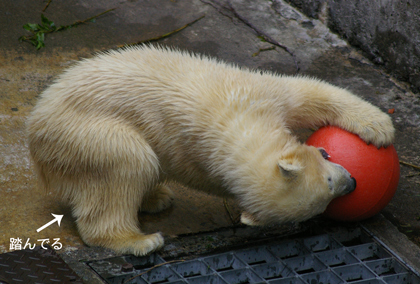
[351,185]
[355,183]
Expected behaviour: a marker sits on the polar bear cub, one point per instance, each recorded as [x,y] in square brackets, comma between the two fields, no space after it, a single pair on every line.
[113,129]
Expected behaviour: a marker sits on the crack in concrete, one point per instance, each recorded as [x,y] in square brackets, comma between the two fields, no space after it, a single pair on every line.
[222,7]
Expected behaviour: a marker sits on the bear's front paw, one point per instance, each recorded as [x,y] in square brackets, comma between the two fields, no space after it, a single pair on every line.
[379,130]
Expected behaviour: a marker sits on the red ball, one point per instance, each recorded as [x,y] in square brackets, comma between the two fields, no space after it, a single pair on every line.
[376,171]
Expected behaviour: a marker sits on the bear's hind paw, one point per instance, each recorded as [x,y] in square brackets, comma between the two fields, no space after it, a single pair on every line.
[139,244]
[248,219]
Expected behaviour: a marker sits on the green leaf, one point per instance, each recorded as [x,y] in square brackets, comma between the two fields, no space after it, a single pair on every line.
[40,40]
[27,27]
[31,27]
[47,22]
[47,26]
[33,41]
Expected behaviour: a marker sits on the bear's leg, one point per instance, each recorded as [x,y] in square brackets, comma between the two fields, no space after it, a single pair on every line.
[118,230]
[106,196]
[317,104]
[157,199]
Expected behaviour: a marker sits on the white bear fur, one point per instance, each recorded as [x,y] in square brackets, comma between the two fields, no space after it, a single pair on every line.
[112,129]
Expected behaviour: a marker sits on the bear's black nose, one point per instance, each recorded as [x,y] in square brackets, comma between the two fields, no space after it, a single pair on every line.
[354,182]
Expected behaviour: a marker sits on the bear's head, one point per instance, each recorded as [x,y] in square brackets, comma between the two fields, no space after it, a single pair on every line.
[297,187]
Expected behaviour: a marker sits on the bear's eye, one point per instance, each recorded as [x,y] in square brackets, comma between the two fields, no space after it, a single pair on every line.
[324,153]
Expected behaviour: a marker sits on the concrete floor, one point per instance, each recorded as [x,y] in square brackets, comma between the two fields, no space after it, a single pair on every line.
[25,72]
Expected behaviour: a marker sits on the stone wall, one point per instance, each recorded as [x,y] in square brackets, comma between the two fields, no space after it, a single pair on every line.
[387,30]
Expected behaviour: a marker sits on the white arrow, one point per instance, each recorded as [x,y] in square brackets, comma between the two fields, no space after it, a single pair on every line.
[56,218]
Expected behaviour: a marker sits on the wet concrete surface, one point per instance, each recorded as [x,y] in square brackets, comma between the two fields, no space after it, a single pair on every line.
[25,72]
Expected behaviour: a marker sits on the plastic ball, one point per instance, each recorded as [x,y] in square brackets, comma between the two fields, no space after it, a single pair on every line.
[377,172]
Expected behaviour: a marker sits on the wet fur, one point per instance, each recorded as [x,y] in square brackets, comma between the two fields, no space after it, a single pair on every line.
[112,129]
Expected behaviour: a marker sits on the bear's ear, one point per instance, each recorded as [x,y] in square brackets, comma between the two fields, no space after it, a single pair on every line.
[289,170]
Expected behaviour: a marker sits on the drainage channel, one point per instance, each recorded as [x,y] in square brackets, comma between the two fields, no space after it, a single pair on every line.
[346,256]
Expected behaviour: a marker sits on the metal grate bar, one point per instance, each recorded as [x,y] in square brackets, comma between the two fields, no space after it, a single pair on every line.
[348,256]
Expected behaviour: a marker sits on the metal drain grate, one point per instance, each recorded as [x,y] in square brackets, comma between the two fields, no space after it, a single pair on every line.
[35,266]
[344,257]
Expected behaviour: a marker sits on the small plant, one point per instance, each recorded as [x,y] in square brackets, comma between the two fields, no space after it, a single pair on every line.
[40,30]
